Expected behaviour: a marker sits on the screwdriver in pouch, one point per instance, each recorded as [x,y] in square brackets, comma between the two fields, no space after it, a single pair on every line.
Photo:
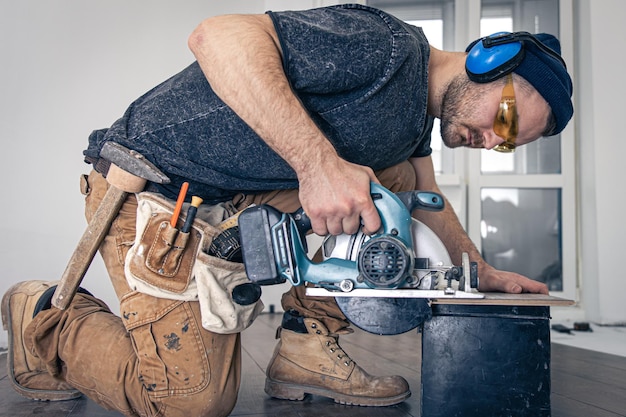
[179,204]
[191,213]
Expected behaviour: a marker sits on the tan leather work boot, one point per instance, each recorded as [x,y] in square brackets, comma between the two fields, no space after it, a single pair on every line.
[27,373]
[314,363]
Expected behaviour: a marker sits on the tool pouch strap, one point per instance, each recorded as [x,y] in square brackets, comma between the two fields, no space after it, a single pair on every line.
[167,263]
[100,165]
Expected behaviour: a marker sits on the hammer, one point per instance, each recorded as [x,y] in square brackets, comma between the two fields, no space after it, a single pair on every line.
[128,173]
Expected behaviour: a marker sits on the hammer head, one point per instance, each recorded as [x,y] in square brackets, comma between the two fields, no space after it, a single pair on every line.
[132,162]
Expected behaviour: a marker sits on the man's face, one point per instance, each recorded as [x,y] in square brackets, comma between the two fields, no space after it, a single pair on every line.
[469,109]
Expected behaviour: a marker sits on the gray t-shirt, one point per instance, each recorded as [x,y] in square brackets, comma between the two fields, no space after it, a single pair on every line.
[360,73]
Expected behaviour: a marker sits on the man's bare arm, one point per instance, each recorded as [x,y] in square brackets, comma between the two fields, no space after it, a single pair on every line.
[241,58]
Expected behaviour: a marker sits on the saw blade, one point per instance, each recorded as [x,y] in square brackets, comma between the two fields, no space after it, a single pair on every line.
[390,316]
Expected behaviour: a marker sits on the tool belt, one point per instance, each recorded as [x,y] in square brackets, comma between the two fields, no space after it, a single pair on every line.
[165,262]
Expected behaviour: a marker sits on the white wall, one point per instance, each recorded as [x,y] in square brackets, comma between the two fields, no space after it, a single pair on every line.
[68,67]
[601,89]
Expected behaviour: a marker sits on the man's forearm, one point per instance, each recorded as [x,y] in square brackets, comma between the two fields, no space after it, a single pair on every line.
[444,223]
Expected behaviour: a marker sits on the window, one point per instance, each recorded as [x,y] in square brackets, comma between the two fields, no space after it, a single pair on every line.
[521,231]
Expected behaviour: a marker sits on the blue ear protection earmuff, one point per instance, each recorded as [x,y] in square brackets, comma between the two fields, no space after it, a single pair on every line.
[494,56]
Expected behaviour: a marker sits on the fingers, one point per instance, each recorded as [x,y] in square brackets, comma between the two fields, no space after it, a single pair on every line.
[511,287]
[341,202]
[522,284]
[510,282]
[349,223]
[537,287]
[371,220]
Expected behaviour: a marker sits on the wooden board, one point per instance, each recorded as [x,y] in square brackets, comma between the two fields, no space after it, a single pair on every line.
[497,298]
[459,297]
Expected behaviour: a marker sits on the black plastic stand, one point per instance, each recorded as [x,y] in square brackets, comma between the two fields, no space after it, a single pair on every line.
[486,360]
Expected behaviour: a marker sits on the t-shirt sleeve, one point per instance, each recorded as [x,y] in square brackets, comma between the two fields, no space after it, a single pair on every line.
[423,148]
[333,50]
[362,75]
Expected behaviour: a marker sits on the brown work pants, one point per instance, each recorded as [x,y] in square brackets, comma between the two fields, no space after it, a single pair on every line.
[156,359]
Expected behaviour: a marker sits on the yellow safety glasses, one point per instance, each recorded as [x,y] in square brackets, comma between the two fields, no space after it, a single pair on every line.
[505,124]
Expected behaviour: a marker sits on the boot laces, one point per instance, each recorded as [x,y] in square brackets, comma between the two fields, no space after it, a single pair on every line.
[334,348]
[332,344]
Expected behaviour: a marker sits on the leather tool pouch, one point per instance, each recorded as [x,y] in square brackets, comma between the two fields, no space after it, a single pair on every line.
[166,256]
[167,263]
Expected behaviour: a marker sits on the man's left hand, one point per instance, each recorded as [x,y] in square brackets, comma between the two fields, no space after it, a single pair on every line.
[495,280]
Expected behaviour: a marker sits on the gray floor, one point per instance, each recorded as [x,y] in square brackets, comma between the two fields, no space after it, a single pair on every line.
[606,339]
[585,383]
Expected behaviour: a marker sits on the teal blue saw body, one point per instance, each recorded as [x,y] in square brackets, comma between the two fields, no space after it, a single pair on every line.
[396,222]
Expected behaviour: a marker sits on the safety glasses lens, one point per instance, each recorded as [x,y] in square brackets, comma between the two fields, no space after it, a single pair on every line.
[505,124]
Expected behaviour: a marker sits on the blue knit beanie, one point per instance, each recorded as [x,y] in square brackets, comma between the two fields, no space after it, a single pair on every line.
[549,77]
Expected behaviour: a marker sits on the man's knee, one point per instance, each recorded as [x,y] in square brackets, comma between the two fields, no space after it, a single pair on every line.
[185,369]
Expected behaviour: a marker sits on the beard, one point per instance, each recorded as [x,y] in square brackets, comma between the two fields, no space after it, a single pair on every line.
[457,110]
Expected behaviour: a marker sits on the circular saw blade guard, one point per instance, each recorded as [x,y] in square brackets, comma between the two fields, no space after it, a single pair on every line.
[389,316]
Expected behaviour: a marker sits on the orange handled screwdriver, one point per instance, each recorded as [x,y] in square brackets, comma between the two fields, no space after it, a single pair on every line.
[179,203]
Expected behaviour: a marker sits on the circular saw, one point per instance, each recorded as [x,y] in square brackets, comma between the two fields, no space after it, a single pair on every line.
[382,282]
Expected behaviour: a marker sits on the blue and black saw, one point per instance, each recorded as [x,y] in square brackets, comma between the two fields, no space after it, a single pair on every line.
[381,282]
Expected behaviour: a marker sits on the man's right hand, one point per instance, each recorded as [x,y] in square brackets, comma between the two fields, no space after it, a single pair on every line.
[336,197]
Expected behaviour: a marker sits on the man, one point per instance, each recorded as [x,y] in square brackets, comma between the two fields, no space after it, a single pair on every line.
[290,109]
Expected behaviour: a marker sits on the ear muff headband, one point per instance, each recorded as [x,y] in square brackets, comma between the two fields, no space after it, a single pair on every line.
[495,56]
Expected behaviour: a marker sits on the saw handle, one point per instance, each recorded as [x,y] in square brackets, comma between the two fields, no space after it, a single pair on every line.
[422,200]
[413,200]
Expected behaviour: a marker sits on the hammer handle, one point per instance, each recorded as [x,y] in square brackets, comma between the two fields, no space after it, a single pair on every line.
[88,246]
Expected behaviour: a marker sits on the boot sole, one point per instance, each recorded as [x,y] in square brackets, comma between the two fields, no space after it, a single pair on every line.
[297,392]
[34,394]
